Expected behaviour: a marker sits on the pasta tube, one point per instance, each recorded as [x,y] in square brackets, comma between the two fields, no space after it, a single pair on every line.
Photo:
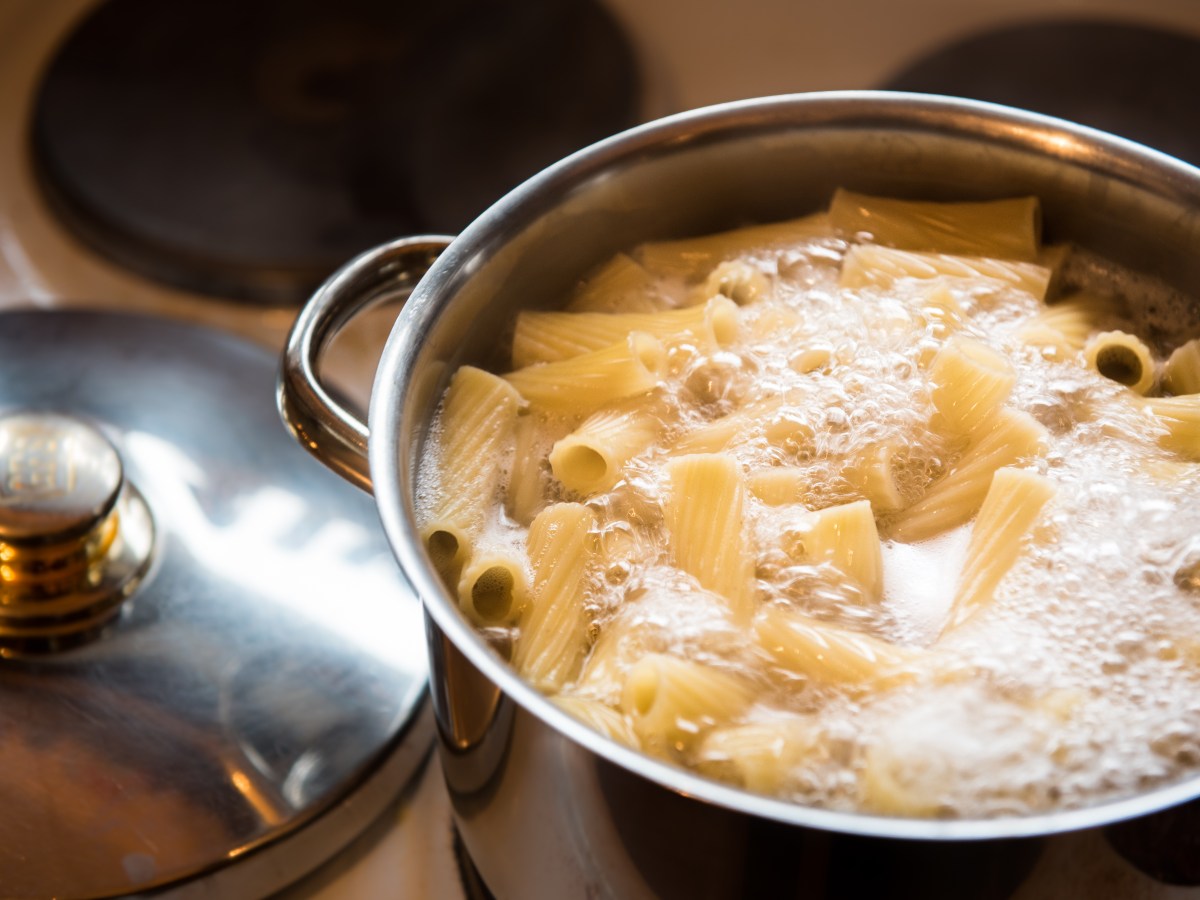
[1005,229]
[478,419]
[589,459]
[970,382]
[1069,322]
[1123,358]
[1181,417]
[622,284]
[693,258]
[670,700]
[845,537]
[873,475]
[768,419]
[780,485]
[1012,505]
[758,755]
[599,717]
[585,382]
[526,479]
[739,281]
[553,629]
[952,500]
[703,514]
[493,587]
[830,655]
[868,265]
[553,336]
[1181,373]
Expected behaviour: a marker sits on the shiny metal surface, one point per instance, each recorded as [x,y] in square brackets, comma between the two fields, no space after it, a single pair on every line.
[60,477]
[261,696]
[319,422]
[75,540]
[597,819]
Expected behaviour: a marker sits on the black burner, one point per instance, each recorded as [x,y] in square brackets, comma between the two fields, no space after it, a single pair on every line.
[246,148]
[1135,81]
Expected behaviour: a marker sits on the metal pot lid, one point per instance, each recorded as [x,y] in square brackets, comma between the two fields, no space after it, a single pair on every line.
[212,675]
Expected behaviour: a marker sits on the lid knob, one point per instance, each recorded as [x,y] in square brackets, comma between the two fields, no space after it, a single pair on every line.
[75,538]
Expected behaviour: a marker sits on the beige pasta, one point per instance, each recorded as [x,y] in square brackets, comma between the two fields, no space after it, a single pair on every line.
[759,756]
[590,459]
[873,476]
[739,281]
[846,537]
[1013,503]
[599,717]
[554,336]
[1181,418]
[703,512]
[479,416]
[769,420]
[554,626]
[810,359]
[672,700]
[620,284]
[780,485]
[694,258]
[1069,323]
[583,383]
[1123,358]
[493,586]
[955,498]
[1181,372]
[1005,229]
[527,479]
[970,382]
[828,654]
[868,265]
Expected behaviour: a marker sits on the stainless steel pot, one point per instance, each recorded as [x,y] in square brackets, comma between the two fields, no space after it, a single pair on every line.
[546,807]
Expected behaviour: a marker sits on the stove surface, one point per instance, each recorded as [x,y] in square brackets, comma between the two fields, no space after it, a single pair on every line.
[689,53]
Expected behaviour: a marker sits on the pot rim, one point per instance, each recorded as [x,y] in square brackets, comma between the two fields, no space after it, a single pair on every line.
[993,124]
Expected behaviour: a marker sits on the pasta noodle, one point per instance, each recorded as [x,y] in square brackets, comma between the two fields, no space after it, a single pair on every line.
[826,653]
[670,700]
[739,281]
[703,513]
[1181,418]
[1006,229]
[590,458]
[1013,502]
[1181,373]
[554,336]
[696,257]
[554,626]
[583,383]
[493,587]
[868,265]
[758,755]
[1068,324]
[1122,357]
[599,717]
[1012,437]
[621,284]
[478,418]
[970,382]
[846,538]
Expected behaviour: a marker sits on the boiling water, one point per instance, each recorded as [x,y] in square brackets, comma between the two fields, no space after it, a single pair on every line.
[1079,681]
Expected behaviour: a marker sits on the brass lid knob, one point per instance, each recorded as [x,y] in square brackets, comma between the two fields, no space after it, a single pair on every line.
[74,537]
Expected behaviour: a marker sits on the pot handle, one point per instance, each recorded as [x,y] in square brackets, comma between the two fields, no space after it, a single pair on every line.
[319,423]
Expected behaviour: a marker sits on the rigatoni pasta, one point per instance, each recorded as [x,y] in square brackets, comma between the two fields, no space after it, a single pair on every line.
[851,509]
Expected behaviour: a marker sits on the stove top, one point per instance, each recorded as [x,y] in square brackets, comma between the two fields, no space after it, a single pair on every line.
[639,60]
